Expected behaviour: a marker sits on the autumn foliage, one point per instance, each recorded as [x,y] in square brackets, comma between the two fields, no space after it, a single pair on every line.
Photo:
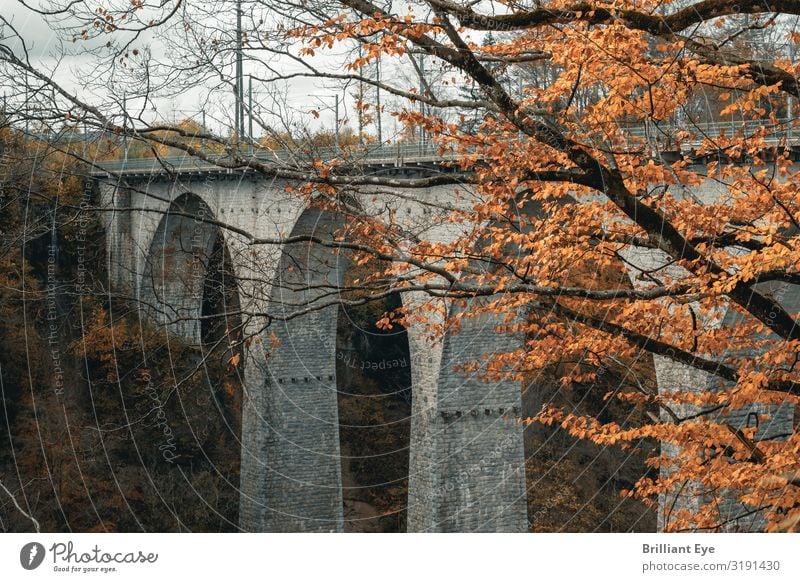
[566,185]
[646,138]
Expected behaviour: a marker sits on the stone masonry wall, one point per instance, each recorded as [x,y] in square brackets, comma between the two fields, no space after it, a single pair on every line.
[466,460]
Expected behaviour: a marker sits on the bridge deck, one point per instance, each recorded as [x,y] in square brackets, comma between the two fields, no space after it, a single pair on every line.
[409,154]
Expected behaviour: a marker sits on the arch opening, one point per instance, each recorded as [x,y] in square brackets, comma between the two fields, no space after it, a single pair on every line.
[568,484]
[327,433]
[190,294]
[220,309]
[573,484]
[373,377]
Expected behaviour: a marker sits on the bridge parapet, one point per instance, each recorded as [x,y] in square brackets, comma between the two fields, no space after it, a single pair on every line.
[661,137]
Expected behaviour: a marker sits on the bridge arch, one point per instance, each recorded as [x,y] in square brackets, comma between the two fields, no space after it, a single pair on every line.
[292,460]
[188,287]
[474,480]
[479,465]
[188,282]
[291,463]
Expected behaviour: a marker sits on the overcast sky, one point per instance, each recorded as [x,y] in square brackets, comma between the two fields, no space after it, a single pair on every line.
[74,66]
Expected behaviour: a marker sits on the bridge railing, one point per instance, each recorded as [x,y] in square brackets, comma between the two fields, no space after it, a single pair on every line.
[388,154]
[419,152]
[781,128]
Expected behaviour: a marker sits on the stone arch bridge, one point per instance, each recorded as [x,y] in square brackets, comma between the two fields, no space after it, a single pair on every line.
[466,467]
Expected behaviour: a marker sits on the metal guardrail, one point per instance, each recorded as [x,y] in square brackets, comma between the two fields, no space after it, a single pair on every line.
[782,128]
[386,154]
[399,154]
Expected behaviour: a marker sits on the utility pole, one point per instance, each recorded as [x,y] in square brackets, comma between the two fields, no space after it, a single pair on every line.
[360,98]
[239,90]
[203,141]
[250,110]
[336,122]
[521,97]
[789,104]
[422,103]
[378,98]
[27,110]
[124,128]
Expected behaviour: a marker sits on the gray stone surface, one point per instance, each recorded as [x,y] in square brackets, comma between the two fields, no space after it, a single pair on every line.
[466,470]
[292,477]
